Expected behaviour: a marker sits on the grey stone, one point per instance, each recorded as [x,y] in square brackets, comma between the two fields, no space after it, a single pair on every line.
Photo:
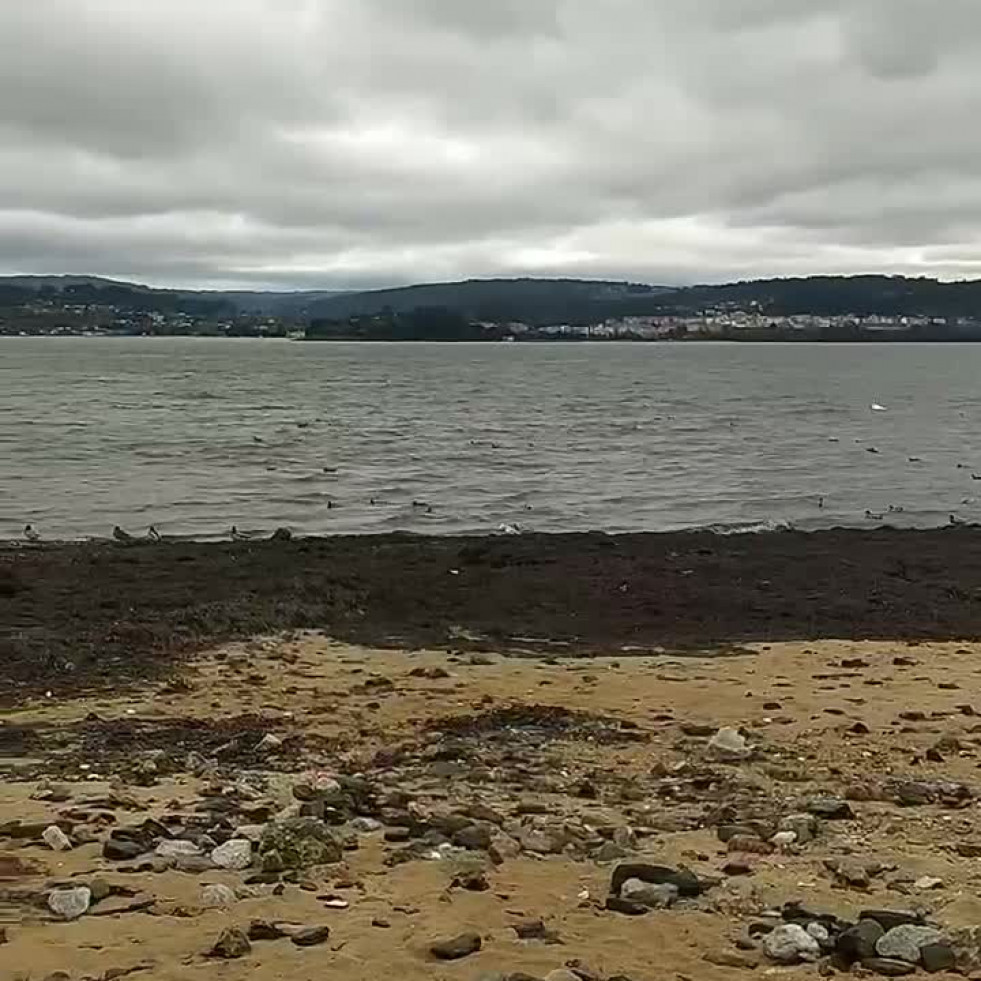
[729,746]
[235,855]
[831,809]
[456,948]
[609,851]
[938,957]
[904,942]
[651,895]
[56,839]
[311,936]
[122,849]
[805,826]
[70,904]
[687,883]
[172,848]
[887,967]
[231,945]
[858,942]
[888,919]
[791,944]
[216,895]
[300,843]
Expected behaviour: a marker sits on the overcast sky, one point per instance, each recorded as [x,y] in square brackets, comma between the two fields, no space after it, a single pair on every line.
[358,143]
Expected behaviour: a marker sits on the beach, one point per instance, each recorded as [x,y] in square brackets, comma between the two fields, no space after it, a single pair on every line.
[490,745]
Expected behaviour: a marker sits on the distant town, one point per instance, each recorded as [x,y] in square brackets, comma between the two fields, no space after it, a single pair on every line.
[869,308]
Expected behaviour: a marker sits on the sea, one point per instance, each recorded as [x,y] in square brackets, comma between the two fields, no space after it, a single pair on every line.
[195,435]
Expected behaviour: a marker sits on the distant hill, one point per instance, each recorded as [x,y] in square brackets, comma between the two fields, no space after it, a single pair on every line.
[536,301]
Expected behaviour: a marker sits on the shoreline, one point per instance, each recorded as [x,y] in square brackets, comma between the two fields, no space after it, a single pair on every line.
[92,615]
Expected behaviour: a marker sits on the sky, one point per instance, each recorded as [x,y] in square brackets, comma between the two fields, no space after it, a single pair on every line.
[342,144]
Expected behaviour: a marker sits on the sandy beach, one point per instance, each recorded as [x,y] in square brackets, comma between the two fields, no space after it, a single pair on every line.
[293,802]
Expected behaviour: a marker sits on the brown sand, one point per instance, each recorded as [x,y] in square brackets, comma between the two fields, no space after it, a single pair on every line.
[333,706]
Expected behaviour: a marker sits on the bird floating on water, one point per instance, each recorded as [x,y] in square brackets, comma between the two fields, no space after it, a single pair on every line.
[31,533]
[871,449]
[122,536]
[153,535]
[873,516]
[507,529]
[875,407]
[896,509]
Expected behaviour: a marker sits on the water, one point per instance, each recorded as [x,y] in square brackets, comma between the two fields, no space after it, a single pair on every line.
[195,435]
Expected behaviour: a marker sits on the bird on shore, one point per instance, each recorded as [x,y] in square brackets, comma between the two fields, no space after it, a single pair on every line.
[871,515]
[281,535]
[821,502]
[153,535]
[237,536]
[954,521]
[896,509]
[507,529]
[31,533]
[875,407]
[122,536]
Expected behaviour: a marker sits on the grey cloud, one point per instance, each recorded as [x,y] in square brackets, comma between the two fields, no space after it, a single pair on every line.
[333,143]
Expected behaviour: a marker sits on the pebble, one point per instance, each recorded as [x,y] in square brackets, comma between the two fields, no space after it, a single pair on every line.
[216,895]
[791,944]
[652,895]
[235,855]
[56,839]
[310,936]
[456,948]
[729,746]
[230,945]
[687,883]
[70,904]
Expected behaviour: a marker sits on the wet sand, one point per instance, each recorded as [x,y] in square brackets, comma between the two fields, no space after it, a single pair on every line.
[77,616]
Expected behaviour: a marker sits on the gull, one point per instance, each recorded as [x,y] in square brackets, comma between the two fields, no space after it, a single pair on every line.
[954,520]
[122,536]
[875,407]
[281,535]
[31,533]
[507,529]
[873,516]
[153,535]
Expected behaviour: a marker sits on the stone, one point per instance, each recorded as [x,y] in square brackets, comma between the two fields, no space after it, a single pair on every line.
[56,839]
[805,826]
[562,974]
[473,880]
[268,743]
[231,945]
[301,843]
[530,930]
[750,844]
[617,904]
[928,882]
[474,837]
[857,943]
[729,746]
[215,896]
[687,883]
[651,895]
[937,957]
[888,919]
[887,967]
[784,840]
[122,849]
[790,944]
[264,930]
[310,936]
[743,960]
[609,851]
[903,943]
[235,855]
[366,825]
[100,889]
[456,948]
[172,848]
[831,809]
[70,904]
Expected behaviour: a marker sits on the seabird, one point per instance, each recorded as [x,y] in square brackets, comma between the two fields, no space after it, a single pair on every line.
[153,534]
[821,502]
[281,535]
[122,536]
[31,533]
[954,520]
[873,515]
[896,508]
[509,529]
[237,536]
[875,407]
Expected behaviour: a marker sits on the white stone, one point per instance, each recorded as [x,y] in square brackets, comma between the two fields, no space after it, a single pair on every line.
[790,944]
[216,895]
[235,855]
[819,932]
[729,745]
[927,882]
[70,904]
[268,743]
[176,848]
[251,831]
[56,839]
[784,839]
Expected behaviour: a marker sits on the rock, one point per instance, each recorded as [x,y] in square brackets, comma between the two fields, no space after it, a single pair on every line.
[831,809]
[456,948]
[100,889]
[968,849]
[231,945]
[819,932]
[609,851]
[927,882]
[750,844]
[857,943]
[889,919]
[474,837]
[784,840]
[686,882]
[192,864]
[268,743]
[366,825]
[732,958]
[264,930]
[216,896]
[937,957]
[235,855]
[888,968]
[311,936]
[617,904]
[790,944]
[904,942]
[851,873]
[122,849]
[70,904]
[729,746]
[473,880]
[56,839]
[562,974]
[173,848]
[651,895]
[805,826]
[530,930]
[300,843]
[3,936]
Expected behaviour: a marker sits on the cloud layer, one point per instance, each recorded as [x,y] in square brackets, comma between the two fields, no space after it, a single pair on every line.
[346,143]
